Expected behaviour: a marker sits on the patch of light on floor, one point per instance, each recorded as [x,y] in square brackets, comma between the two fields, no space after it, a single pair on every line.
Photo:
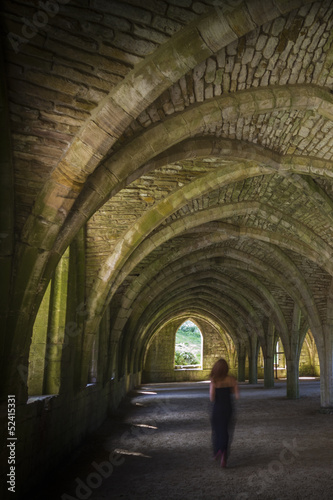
[145,425]
[307,378]
[146,392]
[118,451]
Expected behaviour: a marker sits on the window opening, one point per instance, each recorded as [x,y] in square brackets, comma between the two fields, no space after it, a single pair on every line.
[44,373]
[309,359]
[188,347]
[279,358]
[38,347]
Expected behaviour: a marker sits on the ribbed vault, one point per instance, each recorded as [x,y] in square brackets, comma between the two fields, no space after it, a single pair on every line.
[185,154]
[160,161]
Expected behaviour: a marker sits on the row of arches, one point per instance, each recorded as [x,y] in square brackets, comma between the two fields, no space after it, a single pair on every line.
[214,30]
[189,353]
[158,363]
[45,358]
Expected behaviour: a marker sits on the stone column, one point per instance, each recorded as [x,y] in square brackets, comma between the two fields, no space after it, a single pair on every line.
[241,350]
[326,365]
[269,357]
[292,378]
[76,315]
[268,372]
[103,351]
[253,360]
[56,330]
[292,359]
[81,313]
[38,347]
[112,365]
[326,381]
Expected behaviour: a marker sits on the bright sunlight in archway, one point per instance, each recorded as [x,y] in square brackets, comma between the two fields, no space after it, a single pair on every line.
[188,346]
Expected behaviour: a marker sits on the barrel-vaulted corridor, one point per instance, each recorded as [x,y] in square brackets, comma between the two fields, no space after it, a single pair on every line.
[161,162]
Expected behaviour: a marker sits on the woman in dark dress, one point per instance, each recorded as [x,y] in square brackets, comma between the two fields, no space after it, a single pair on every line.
[222,389]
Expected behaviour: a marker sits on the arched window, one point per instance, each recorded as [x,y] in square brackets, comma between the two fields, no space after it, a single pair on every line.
[309,359]
[188,347]
[279,360]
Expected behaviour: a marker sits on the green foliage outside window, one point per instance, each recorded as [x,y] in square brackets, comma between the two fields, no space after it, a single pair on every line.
[188,345]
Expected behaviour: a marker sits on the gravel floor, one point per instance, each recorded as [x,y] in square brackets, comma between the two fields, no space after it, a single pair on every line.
[158,446]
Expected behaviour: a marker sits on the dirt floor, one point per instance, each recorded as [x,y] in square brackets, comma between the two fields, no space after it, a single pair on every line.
[159,447]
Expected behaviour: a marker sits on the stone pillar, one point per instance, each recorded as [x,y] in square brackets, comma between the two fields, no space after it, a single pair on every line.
[241,362]
[112,365]
[325,352]
[75,315]
[57,324]
[269,356]
[292,378]
[292,359]
[38,347]
[253,360]
[326,381]
[253,370]
[326,367]
[103,351]
[268,372]
[81,312]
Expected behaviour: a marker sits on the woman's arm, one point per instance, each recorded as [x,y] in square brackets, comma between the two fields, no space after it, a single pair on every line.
[212,391]
[236,390]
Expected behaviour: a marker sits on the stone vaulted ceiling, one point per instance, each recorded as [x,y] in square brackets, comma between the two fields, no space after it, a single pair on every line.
[192,140]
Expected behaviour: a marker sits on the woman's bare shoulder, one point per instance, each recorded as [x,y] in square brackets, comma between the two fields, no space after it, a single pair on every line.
[228,381]
[231,380]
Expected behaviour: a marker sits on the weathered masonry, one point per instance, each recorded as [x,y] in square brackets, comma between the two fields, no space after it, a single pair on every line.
[160,161]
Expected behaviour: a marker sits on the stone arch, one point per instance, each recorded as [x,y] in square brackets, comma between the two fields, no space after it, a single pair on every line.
[175,319]
[313,254]
[123,165]
[224,313]
[208,34]
[284,280]
[195,221]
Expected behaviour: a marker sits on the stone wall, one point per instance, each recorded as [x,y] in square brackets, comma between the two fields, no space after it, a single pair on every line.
[48,428]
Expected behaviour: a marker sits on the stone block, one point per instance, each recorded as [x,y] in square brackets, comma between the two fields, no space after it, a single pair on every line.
[130,12]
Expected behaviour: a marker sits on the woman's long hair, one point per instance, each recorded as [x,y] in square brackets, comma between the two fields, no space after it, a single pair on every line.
[219,370]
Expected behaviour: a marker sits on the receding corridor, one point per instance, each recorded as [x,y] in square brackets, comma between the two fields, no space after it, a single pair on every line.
[282,449]
[166,168]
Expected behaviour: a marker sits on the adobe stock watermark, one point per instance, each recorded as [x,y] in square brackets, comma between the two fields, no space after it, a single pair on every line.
[47,9]
[103,470]
[264,478]
[94,480]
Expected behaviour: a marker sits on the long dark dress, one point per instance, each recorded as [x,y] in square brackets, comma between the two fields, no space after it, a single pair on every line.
[221,419]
